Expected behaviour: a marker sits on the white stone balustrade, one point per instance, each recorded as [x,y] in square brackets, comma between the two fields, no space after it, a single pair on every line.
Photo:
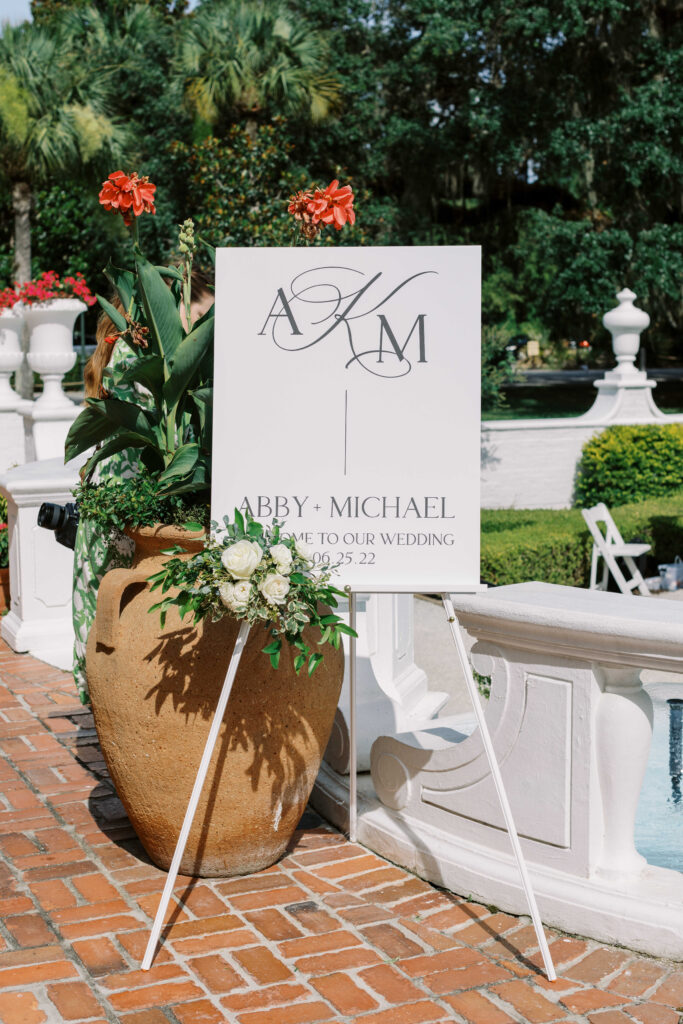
[571,726]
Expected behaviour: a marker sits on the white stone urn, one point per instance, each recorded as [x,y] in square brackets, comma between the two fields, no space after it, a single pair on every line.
[51,352]
[11,355]
[626,323]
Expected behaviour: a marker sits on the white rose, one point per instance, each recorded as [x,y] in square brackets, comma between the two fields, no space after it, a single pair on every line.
[242,591]
[241,559]
[227,595]
[274,588]
[282,557]
[304,550]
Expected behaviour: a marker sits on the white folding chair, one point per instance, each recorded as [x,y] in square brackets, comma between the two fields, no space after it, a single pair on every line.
[610,546]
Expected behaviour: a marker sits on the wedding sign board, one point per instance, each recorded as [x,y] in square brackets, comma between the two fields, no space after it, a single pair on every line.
[347,403]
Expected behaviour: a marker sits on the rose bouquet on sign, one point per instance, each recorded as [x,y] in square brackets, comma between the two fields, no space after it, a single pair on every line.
[262,575]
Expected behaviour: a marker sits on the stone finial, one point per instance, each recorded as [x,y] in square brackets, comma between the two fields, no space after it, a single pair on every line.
[626,323]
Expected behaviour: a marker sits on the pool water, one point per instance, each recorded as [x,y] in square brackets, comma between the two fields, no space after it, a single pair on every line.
[659,821]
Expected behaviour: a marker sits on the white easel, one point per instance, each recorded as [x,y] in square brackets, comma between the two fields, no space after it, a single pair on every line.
[486,740]
[353,780]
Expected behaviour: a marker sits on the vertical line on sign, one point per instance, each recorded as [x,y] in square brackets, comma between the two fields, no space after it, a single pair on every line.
[346,426]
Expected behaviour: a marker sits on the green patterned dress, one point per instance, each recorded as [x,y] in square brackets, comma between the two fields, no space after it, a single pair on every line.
[95,552]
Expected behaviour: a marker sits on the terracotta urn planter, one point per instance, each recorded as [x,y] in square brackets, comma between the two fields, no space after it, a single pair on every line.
[153,693]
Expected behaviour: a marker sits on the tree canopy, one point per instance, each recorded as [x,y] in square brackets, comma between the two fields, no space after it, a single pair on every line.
[547,133]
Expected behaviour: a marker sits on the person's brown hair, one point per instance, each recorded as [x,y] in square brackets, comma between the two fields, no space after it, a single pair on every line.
[201,283]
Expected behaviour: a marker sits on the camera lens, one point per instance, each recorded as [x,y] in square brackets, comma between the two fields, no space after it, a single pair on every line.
[50,516]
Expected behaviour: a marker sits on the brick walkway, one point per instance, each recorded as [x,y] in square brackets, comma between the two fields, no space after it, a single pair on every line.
[332,933]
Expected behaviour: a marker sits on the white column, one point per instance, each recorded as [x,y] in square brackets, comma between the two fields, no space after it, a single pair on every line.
[623,733]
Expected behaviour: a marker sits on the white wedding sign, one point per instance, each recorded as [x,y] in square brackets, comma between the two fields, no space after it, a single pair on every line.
[347,403]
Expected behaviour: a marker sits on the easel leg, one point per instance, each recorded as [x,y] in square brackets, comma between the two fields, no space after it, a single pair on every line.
[196,793]
[353,753]
[500,788]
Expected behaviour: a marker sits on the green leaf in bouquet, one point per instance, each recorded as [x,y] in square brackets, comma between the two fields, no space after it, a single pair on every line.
[255,529]
[272,648]
[193,527]
[313,662]
[299,662]
[239,520]
[343,628]
[161,312]
[297,577]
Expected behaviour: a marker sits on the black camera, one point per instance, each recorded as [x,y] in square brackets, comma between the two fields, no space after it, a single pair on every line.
[63,519]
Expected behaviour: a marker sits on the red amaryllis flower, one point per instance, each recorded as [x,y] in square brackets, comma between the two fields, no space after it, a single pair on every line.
[333,206]
[128,195]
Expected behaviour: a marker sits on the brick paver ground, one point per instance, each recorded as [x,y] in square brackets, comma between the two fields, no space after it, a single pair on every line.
[332,933]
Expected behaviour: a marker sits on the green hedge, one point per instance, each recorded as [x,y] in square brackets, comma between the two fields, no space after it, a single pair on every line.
[630,463]
[554,546]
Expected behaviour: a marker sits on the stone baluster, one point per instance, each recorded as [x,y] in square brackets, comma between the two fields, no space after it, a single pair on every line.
[623,733]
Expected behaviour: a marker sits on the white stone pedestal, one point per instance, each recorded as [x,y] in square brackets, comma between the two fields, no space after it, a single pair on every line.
[39,619]
[51,354]
[392,692]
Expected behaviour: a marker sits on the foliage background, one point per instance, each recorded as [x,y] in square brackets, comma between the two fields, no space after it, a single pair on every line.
[547,133]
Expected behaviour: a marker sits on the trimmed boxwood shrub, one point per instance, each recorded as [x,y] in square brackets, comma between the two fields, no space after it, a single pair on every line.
[630,463]
[554,545]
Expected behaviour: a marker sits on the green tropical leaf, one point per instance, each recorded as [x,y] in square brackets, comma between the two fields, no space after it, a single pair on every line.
[89,427]
[183,462]
[117,318]
[128,416]
[161,313]
[147,371]
[185,360]
[124,283]
[173,272]
[112,447]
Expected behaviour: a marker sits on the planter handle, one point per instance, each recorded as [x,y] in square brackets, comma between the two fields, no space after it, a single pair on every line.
[112,589]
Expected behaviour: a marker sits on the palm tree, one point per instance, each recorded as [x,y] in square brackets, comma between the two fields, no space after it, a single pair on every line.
[53,121]
[240,58]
